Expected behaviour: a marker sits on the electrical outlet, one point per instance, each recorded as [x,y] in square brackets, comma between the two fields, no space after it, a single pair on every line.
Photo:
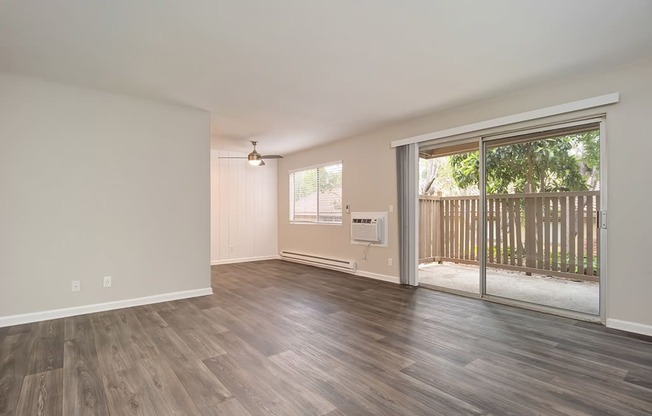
[231,249]
[107,281]
[389,261]
[76,285]
[391,208]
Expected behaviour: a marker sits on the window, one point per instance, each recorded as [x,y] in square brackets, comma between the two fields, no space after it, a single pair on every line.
[316,194]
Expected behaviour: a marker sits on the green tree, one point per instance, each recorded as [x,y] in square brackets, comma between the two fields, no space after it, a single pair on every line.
[565,163]
[330,179]
[305,183]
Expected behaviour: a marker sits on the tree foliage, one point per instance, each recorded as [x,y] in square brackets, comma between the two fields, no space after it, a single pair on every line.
[325,182]
[566,163]
[436,175]
[306,182]
[329,179]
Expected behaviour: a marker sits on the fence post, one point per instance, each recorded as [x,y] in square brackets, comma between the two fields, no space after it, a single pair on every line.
[438,231]
[530,232]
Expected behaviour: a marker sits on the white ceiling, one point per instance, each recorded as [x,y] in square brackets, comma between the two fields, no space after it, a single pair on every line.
[296,73]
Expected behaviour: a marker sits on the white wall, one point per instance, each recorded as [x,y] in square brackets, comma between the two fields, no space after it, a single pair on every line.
[95,184]
[368,185]
[243,209]
[370,181]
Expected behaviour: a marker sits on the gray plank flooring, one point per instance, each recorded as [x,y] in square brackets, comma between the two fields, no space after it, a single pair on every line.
[279,338]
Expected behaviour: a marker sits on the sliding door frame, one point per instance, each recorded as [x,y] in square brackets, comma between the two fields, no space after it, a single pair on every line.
[603,217]
[482,143]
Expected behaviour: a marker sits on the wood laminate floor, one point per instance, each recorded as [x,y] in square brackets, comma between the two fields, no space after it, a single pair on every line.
[284,339]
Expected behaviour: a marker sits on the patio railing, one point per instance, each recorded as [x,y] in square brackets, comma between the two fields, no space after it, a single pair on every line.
[547,233]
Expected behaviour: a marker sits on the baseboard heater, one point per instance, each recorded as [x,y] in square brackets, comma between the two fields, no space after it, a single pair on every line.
[319,261]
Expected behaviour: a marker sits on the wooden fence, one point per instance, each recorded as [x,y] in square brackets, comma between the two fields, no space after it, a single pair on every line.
[547,233]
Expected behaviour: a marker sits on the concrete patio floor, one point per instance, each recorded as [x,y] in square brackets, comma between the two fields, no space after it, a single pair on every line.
[540,289]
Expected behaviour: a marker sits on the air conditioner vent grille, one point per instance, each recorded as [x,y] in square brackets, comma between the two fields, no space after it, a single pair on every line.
[367,229]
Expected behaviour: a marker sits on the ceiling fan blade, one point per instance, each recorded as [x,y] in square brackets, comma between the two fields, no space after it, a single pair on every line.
[272,157]
[232,157]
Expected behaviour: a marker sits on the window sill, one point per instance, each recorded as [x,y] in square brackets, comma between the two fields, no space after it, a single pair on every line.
[339,224]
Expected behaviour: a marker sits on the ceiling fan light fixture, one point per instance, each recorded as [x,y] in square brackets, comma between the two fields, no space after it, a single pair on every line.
[254,158]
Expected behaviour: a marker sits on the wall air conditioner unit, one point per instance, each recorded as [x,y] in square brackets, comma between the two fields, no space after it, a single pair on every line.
[367,229]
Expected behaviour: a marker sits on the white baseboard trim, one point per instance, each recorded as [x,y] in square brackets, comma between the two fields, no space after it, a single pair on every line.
[360,273]
[100,307]
[378,276]
[629,326]
[244,259]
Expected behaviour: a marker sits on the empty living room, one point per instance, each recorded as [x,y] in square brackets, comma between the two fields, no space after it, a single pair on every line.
[374,207]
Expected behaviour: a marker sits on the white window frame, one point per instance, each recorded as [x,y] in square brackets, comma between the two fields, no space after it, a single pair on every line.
[291,194]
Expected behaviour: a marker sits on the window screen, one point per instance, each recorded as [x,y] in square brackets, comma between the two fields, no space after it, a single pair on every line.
[316,194]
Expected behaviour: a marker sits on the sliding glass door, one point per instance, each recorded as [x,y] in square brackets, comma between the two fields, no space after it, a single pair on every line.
[516,217]
[542,200]
[449,223]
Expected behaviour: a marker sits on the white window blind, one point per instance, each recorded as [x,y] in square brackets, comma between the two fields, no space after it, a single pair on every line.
[316,194]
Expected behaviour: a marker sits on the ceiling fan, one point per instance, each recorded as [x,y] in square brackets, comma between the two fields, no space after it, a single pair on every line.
[254,158]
